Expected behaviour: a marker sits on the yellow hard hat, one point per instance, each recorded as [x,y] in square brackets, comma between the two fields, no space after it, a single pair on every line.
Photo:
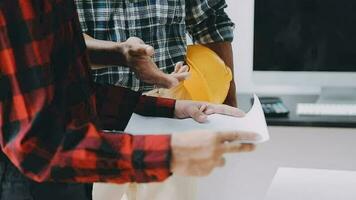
[209,81]
[210,77]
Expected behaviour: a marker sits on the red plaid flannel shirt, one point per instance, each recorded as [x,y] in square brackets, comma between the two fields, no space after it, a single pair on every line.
[51,114]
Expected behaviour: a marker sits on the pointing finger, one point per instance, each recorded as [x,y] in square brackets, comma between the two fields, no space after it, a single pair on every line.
[230,136]
[225,110]
[235,147]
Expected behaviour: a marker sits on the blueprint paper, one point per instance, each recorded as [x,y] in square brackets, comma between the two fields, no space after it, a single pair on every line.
[254,121]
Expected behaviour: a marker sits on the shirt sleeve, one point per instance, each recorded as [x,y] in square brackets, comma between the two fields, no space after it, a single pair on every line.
[156,107]
[115,116]
[47,146]
[207,22]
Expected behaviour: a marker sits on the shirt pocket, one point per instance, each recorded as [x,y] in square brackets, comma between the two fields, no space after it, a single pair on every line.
[169,11]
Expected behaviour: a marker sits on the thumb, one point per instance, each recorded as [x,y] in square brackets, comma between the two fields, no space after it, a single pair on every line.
[149,50]
[141,50]
[181,76]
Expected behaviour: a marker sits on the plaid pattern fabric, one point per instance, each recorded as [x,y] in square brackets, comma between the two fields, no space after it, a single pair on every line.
[162,24]
[49,106]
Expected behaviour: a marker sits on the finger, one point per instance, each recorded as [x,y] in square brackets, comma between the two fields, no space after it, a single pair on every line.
[181,76]
[184,68]
[141,50]
[154,93]
[221,162]
[236,147]
[230,136]
[149,50]
[134,40]
[178,66]
[203,107]
[197,114]
[225,110]
[209,111]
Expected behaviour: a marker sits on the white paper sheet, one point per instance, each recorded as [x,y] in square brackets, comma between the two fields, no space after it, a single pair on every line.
[312,184]
[254,121]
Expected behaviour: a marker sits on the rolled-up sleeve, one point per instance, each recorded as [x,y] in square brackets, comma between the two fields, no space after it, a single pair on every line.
[207,21]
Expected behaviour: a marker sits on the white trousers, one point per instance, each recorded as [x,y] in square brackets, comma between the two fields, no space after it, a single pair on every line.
[174,188]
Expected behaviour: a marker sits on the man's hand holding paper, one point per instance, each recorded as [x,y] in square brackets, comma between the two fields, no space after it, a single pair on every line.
[197,153]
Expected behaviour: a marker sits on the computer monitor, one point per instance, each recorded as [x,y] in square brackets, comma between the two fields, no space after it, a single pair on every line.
[307,43]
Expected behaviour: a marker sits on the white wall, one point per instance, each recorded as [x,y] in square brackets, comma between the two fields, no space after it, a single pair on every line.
[241,12]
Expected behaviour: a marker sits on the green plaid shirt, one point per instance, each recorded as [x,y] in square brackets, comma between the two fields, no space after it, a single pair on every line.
[163,24]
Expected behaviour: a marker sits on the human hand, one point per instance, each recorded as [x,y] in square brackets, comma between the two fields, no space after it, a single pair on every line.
[180,72]
[197,153]
[138,56]
[200,110]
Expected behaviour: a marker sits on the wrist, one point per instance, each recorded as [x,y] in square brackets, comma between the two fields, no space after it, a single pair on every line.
[121,50]
[106,52]
[178,109]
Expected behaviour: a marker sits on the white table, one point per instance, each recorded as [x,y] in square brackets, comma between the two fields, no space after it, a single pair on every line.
[248,176]
[313,184]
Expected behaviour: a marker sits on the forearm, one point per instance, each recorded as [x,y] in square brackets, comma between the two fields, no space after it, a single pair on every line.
[115,106]
[87,155]
[225,52]
[103,52]
[156,106]
[81,152]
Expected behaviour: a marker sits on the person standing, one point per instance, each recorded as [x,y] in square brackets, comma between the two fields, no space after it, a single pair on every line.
[161,24]
[52,115]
